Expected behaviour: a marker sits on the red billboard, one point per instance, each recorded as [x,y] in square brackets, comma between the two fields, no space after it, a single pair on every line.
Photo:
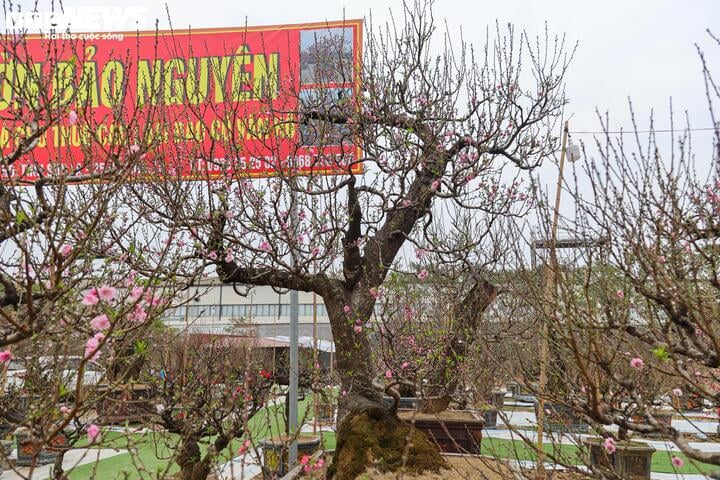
[250,101]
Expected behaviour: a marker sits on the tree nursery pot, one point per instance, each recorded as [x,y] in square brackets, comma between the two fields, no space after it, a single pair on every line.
[490,416]
[497,399]
[454,431]
[688,403]
[129,403]
[561,418]
[663,417]
[27,450]
[326,412]
[275,447]
[630,461]
[6,428]
[7,448]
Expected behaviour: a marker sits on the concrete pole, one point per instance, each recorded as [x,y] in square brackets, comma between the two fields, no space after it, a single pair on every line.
[294,363]
[316,396]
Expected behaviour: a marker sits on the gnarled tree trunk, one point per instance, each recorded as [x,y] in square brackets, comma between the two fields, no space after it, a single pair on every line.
[370,434]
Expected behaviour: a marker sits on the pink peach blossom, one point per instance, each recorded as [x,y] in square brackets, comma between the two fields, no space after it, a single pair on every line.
[101,322]
[637,363]
[138,315]
[609,445]
[66,250]
[244,447]
[90,298]
[422,274]
[346,309]
[620,294]
[677,461]
[106,293]
[92,351]
[357,328]
[388,374]
[136,293]
[72,117]
[93,433]
[5,356]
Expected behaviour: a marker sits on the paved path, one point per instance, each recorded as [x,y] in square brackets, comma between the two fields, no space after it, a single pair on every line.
[528,465]
[575,439]
[243,467]
[73,458]
[687,425]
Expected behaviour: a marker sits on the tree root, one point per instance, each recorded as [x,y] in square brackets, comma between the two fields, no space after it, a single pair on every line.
[375,438]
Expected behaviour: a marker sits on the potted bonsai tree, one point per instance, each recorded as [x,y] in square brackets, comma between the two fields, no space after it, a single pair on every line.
[426,335]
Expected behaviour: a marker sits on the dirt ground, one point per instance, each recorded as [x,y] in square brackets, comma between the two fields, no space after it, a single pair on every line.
[461,468]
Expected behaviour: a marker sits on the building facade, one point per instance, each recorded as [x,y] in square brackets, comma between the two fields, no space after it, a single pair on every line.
[212,307]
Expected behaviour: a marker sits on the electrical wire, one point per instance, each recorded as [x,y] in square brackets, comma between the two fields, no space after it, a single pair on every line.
[615,132]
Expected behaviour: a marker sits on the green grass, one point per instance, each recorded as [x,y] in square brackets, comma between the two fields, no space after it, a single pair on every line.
[569,455]
[153,451]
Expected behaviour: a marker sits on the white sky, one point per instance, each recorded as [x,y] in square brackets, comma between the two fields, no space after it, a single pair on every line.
[639,48]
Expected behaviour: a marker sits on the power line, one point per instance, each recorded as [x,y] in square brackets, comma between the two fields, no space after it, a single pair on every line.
[615,132]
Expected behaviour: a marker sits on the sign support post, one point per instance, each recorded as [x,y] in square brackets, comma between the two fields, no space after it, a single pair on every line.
[294,364]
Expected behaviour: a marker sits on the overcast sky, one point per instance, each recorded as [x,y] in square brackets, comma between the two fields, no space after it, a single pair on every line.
[643,49]
[640,48]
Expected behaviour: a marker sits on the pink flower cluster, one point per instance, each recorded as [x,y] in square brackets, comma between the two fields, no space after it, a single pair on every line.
[307,466]
[92,346]
[5,356]
[100,323]
[609,445]
[93,296]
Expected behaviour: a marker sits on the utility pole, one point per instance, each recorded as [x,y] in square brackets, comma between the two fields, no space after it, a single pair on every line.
[550,275]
